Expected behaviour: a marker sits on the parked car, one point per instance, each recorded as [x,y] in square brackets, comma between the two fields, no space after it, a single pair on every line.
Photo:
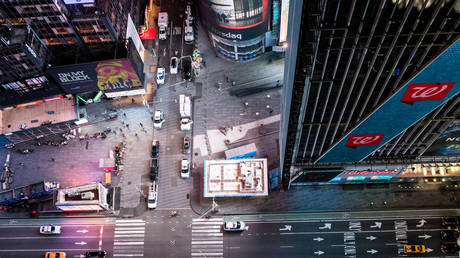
[158,119]
[95,254]
[449,222]
[449,235]
[50,230]
[186,67]
[234,226]
[55,255]
[154,168]
[413,249]
[450,248]
[186,145]
[161,75]
[152,198]
[173,65]
[185,171]
[155,149]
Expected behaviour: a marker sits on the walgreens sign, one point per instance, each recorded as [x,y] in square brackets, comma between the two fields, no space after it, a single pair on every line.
[426,91]
[364,139]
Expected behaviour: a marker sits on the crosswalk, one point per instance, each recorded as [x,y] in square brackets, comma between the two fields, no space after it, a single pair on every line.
[129,238]
[207,238]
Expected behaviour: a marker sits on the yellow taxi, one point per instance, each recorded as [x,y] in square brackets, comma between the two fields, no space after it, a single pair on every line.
[414,249]
[55,255]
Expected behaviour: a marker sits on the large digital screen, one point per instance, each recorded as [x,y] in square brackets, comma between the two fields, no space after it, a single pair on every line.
[111,75]
[448,143]
[236,19]
[438,82]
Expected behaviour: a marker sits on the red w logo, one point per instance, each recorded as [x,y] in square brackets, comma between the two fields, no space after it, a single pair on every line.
[426,91]
[364,139]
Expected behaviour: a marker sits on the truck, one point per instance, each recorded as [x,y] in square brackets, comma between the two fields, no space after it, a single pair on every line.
[242,152]
[185,109]
[162,24]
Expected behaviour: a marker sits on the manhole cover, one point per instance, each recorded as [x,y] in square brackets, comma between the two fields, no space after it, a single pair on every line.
[196,153]
[129,182]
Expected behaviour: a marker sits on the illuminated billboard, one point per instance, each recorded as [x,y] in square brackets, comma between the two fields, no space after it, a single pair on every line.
[236,19]
[448,143]
[107,76]
[438,82]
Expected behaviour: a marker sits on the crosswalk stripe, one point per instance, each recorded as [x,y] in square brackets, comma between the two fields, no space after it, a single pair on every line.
[208,220]
[132,228]
[205,231]
[207,254]
[203,227]
[129,232]
[209,223]
[129,224]
[130,236]
[206,242]
[129,220]
[128,243]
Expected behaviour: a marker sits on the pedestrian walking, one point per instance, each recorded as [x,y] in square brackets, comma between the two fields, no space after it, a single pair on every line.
[122,122]
[141,125]
[136,135]
[127,126]
[124,135]
[132,100]
[121,130]
[124,114]
[151,118]
[52,159]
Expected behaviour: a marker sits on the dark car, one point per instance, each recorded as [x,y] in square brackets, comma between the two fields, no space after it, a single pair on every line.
[449,222]
[154,169]
[449,235]
[155,149]
[95,254]
[186,63]
[186,145]
[450,248]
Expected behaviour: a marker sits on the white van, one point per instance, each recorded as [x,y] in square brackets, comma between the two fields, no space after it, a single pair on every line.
[152,200]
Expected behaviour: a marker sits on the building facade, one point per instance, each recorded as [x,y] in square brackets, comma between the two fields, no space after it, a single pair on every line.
[367,83]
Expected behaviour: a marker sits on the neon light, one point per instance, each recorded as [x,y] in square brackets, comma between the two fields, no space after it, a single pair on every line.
[55,98]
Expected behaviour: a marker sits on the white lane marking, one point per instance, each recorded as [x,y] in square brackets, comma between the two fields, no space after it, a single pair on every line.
[360,232]
[207,254]
[286,246]
[207,223]
[234,247]
[47,237]
[127,255]
[206,242]
[41,250]
[128,243]
[101,234]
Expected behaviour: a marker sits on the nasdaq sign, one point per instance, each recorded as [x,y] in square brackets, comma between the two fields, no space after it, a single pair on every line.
[438,82]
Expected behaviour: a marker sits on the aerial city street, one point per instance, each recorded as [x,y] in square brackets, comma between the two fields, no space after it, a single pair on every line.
[229,128]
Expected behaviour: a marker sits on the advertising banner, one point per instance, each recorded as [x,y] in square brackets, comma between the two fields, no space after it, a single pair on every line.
[236,19]
[430,88]
[107,76]
[448,143]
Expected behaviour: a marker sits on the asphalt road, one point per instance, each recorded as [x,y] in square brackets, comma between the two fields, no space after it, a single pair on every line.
[21,238]
[368,237]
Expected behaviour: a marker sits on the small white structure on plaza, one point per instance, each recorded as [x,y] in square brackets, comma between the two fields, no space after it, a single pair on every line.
[235,178]
[90,197]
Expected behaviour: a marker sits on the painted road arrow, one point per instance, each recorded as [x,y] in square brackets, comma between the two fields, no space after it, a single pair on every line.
[80,256]
[82,231]
[286,227]
[326,226]
[319,239]
[372,251]
[424,236]
[80,243]
[319,252]
[371,238]
[377,225]
[421,223]
[428,250]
